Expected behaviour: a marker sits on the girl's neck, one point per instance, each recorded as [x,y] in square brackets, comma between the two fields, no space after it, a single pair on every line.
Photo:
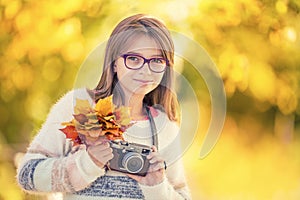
[136,106]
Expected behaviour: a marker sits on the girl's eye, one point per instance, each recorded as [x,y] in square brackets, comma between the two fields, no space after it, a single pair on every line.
[133,58]
[158,60]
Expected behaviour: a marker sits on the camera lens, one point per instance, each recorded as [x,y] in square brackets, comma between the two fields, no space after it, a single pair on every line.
[133,162]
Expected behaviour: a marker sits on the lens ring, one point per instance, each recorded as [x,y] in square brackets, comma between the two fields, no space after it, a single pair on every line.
[133,162]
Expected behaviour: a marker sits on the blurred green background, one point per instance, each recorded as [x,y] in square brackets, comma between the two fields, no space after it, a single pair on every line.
[255,44]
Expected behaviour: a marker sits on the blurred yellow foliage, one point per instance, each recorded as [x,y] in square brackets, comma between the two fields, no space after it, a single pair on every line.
[262,82]
[12,9]
[240,169]
[254,43]
[281,6]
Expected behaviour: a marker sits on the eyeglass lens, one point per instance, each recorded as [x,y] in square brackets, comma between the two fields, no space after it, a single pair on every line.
[135,62]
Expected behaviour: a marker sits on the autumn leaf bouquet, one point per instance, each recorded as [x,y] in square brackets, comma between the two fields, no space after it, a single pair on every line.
[104,120]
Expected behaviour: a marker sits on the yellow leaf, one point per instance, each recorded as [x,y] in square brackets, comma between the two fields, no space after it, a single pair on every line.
[123,115]
[82,107]
[104,106]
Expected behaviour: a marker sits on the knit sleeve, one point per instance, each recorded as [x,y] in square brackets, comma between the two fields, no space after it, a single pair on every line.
[50,163]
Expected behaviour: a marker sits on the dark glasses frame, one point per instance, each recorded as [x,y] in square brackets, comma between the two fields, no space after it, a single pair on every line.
[148,61]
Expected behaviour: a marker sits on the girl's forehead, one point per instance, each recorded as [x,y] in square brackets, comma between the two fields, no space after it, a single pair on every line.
[143,43]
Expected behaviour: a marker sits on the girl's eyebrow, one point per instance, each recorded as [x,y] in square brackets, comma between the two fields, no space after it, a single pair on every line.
[139,54]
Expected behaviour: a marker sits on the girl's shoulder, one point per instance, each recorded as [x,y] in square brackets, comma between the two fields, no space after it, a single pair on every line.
[73,95]
[79,93]
[68,100]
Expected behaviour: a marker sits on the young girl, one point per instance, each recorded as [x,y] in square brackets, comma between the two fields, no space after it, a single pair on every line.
[138,71]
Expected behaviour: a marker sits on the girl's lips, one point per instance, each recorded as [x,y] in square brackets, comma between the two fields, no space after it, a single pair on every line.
[144,81]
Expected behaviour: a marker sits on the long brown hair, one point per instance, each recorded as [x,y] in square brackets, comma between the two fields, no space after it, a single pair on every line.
[163,95]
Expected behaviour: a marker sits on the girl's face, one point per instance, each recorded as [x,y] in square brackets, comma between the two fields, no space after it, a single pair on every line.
[139,81]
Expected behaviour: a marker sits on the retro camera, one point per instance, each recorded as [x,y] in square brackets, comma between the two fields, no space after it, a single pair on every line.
[130,157]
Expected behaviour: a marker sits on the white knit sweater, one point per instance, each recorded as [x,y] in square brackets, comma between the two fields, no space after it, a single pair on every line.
[51,164]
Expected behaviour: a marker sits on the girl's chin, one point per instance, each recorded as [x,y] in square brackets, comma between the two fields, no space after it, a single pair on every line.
[143,89]
[139,89]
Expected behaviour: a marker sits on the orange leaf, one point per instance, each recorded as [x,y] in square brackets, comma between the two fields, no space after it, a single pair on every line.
[70,132]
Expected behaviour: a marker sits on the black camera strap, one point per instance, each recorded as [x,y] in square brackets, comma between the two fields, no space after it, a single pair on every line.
[153,127]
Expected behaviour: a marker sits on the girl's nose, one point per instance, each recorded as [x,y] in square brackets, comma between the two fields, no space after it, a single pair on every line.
[146,68]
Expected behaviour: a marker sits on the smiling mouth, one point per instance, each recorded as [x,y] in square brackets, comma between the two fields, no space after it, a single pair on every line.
[144,81]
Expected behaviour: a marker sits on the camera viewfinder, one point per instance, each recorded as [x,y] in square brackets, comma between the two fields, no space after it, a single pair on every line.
[146,151]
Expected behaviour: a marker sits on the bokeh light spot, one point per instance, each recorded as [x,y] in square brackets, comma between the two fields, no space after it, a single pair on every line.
[23,77]
[52,69]
[23,20]
[281,6]
[262,81]
[37,105]
[290,34]
[12,9]
[73,51]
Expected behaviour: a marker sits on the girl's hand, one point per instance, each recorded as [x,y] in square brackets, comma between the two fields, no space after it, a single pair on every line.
[155,174]
[100,152]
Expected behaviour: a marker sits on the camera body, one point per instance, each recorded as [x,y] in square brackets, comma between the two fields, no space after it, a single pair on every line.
[129,157]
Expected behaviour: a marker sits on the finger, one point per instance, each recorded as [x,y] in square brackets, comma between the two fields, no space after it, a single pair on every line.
[155,159]
[157,167]
[154,148]
[90,141]
[106,152]
[102,147]
[155,156]
[108,157]
[102,139]
[152,154]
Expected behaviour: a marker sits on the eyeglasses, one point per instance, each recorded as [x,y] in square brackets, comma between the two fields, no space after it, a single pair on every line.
[136,62]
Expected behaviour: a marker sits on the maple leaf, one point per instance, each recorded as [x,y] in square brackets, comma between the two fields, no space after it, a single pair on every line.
[108,124]
[104,106]
[82,107]
[92,118]
[109,118]
[71,133]
[81,118]
[114,132]
[92,126]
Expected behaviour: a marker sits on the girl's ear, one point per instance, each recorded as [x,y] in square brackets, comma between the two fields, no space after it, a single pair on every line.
[115,68]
